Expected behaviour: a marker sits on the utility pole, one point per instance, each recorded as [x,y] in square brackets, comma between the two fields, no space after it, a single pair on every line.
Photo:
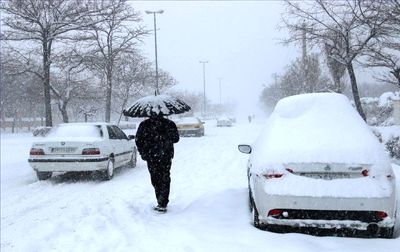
[220,94]
[204,85]
[155,43]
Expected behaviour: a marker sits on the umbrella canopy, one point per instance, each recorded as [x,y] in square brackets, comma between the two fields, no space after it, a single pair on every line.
[156,105]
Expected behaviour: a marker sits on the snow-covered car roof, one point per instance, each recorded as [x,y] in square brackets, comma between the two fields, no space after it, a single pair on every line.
[321,127]
[81,131]
[188,120]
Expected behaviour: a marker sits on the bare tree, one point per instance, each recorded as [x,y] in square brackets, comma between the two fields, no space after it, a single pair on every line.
[290,82]
[18,89]
[131,80]
[68,82]
[44,22]
[336,68]
[354,22]
[108,40]
[385,52]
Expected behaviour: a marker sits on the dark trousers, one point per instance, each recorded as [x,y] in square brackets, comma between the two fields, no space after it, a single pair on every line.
[160,179]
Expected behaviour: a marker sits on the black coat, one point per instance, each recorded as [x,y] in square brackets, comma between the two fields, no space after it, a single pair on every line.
[155,138]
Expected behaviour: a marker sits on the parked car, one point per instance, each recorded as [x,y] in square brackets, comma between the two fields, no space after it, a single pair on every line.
[224,122]
[190,126]
[318,165]
[73,147]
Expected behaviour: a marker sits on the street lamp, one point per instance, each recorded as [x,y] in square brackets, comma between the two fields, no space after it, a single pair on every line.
[155,42]
[204,84]
[220,94]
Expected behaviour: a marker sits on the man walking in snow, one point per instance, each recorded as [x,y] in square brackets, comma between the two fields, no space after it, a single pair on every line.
[155,140]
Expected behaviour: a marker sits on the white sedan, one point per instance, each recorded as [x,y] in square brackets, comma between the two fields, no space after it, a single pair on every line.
[318,165]
[74,147]
[224,122]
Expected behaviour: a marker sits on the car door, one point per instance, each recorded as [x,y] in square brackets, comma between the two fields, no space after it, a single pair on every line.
[115,145]
[124,150]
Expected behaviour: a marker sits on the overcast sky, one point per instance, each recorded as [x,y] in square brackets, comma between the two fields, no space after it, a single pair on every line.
[240,39]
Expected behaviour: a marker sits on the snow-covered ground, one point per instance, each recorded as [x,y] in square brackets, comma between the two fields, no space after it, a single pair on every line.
[207,212]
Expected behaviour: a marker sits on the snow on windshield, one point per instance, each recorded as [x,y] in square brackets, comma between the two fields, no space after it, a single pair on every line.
[317,128]
[75,131]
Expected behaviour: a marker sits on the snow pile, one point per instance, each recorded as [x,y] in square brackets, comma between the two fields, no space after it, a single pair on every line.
[386,98]
[156,105]
[321,128]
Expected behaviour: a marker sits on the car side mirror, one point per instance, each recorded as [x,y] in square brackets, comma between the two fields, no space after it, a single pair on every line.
[131,137]
[244,148]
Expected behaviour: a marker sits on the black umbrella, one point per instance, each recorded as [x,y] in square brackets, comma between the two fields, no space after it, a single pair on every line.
[156,105]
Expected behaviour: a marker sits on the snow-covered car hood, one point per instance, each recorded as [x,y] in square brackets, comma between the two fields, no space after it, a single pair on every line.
[321,127]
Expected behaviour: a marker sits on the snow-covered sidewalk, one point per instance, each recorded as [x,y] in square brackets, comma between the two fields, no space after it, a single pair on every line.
[208,209]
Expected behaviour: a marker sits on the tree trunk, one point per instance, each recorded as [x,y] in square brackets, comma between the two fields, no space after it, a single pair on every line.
[108,104]
[46,82]
[354,90]
[338,85]
[13,124]
[64,113]
[120,114]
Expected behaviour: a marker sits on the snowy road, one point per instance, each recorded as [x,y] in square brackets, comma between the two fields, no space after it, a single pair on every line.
[207,211]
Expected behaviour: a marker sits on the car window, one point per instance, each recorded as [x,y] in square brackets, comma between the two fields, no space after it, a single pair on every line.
[120,134]
[111,133]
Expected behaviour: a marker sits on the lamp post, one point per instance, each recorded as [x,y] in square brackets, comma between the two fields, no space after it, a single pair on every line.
[204,85]
[220,94]
[155,42]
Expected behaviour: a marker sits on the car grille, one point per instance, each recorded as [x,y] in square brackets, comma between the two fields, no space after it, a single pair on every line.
[364,216]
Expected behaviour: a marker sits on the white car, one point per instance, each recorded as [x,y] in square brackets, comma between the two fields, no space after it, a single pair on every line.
[190,126]
[74,147]
[318,166]
[224,122]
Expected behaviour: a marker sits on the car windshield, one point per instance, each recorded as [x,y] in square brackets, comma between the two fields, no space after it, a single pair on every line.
[188,120]
[65,130]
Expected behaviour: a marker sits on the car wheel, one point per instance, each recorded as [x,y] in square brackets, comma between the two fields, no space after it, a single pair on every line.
[386,232]
[132,162]
[43,175]
[109,172]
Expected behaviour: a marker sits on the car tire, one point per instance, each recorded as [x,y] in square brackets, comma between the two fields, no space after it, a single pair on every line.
[132,162]
[108,174]
[386,232]
[43,175]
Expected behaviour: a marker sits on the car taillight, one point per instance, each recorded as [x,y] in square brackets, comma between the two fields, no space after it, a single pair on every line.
[273,175]
[381,214]
[365,173]
[91,151]
[36,151]
[275,212]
